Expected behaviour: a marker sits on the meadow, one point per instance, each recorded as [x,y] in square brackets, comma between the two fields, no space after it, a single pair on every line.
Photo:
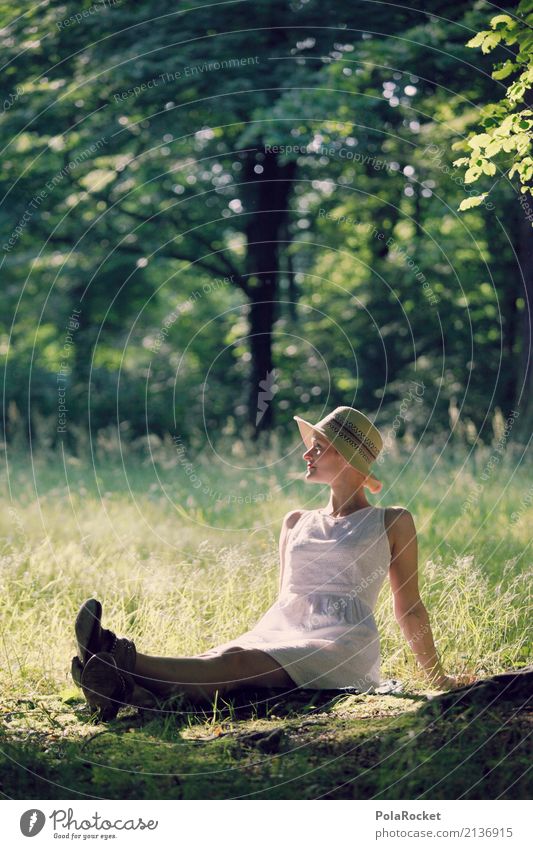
[181,567]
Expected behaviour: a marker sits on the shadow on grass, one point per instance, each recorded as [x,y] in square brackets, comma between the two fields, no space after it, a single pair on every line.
[263,744]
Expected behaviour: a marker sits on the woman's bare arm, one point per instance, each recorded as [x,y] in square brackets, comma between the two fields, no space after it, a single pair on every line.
[409,608]
[289,522]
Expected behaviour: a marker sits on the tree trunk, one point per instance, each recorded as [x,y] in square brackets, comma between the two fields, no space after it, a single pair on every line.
[524,384]
[290,290]
[267,198]
[262,374]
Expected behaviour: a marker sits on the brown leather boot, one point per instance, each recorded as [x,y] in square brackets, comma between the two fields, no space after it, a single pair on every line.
[123,652]
[93,639]
[104,666]
[90,636]
[107,687]
[104,687]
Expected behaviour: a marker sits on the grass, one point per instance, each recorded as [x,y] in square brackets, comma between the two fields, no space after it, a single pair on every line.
[181,568]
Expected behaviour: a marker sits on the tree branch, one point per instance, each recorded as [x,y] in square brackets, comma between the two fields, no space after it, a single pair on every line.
[65,241]
[234,272]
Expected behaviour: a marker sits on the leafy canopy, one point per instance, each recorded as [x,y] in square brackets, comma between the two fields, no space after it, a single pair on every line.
[507,124]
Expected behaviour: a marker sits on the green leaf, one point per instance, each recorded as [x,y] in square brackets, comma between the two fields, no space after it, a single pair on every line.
[478,39]
[489,168]
[491,41]
[470,203]
[493,148]
[472,175]
[516,91]
[526,42]
[523,142]
[505,127]
[526,174]
[504,71]
[506,20]
[480,140]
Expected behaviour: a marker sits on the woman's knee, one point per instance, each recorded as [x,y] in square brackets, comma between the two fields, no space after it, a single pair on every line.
[236,662]
[254,667]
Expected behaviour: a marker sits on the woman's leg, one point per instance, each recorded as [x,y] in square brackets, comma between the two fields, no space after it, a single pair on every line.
[200,677]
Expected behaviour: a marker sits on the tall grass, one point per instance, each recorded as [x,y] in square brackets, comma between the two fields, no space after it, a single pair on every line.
[181,567]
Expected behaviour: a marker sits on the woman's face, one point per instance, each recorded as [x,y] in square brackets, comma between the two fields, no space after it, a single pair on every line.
[324,463]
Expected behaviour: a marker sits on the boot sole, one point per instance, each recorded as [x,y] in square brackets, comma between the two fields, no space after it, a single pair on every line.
[88,629]
[76,670]
[103,685]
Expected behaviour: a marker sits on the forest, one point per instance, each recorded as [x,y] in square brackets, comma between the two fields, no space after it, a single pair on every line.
[189,223]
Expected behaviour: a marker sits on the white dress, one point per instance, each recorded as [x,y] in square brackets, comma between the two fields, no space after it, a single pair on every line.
[321,628]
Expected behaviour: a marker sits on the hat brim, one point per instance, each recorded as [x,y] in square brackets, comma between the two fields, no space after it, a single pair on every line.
[308,430]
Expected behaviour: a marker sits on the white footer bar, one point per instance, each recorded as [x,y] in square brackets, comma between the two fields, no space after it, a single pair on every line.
[244,824]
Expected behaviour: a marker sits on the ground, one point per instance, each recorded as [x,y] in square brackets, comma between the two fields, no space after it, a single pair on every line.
[391,746]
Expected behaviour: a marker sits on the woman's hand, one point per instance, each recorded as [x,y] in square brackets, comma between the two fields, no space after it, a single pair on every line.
[451,682]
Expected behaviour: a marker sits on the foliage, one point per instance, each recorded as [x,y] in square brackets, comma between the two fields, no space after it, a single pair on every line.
[158,185]
[507,124]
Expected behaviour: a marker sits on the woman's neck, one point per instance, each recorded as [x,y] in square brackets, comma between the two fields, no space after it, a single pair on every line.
[347,503]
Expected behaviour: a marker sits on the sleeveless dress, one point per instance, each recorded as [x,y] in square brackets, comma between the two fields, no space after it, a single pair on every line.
[321,628]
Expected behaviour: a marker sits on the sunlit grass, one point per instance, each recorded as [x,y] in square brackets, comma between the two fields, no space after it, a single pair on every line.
[181,567]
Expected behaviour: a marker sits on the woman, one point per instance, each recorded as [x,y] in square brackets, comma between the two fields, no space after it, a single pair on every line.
[321,632]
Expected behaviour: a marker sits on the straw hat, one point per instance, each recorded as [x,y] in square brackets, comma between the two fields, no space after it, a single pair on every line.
[351,433]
